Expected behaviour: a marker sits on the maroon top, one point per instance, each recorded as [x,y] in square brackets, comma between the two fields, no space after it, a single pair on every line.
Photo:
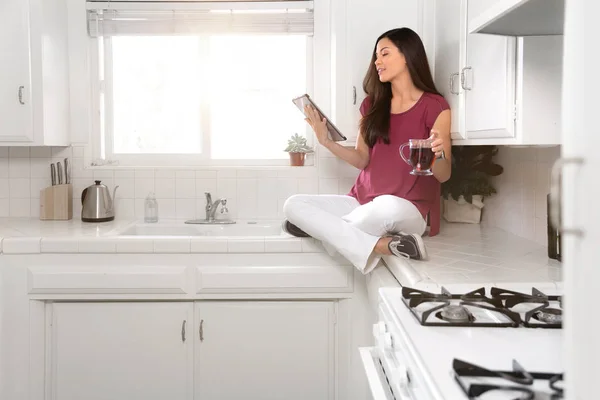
[387,173]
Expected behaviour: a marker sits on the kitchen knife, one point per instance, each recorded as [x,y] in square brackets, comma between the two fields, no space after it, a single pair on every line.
[60,172]
[67,171]
[53,174]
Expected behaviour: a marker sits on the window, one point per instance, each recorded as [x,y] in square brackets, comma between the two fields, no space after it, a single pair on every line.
[196,84]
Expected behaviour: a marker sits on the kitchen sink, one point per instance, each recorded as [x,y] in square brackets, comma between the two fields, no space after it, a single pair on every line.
[240,228]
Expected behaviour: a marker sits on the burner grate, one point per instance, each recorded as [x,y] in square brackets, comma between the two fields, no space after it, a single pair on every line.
[471,379]
[491,311]
[546,314]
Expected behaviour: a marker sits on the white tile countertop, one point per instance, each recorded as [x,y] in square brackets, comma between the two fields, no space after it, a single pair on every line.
[31,236]
[476,254]
[461,253]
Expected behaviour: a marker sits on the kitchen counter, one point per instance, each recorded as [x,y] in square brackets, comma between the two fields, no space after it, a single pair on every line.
[31,236]
[475,254]
[461,253]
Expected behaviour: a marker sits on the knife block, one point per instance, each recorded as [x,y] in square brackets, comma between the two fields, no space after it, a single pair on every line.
[56,202]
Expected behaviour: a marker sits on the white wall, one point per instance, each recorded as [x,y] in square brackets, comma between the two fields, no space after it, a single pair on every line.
[251,192]
[520,205]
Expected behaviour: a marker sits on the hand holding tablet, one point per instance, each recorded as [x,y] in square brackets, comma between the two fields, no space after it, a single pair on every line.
[314,117]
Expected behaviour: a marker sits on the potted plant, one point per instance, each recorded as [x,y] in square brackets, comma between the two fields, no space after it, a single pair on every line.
[463,193]
[297,149]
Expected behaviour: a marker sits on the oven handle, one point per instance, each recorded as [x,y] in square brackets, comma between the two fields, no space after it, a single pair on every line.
[380,389]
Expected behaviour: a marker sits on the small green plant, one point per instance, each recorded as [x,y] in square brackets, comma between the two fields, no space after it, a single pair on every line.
[297,144]
[472,166]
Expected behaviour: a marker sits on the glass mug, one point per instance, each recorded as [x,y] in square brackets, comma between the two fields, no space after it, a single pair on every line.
[421,156]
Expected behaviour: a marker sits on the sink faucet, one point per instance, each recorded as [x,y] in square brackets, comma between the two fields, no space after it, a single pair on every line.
[211,207]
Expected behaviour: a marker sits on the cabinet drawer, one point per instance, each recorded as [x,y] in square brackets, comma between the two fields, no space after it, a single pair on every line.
[273,279]
[120,279]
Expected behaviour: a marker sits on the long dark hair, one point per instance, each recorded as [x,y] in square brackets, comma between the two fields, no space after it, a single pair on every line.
[376,122]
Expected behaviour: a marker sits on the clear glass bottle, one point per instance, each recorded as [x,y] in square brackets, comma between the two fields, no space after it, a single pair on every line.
[151,209]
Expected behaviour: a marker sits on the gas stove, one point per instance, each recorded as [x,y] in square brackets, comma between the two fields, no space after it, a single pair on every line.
[490,352]
[501,308]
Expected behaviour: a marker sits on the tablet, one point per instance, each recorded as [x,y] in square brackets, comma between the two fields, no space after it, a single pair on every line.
[304,100]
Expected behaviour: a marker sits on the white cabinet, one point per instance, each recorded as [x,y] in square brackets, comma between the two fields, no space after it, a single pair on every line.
[502,90]
[15,84]
[358,24]
[265,350]
[448,26]
[475,73]
[34,85]
[108,351]
[488,84]
[184,350]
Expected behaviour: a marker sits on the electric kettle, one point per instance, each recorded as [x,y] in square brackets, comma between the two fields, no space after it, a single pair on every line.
[97,204]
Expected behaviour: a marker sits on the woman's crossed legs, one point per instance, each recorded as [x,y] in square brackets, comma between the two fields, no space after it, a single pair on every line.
[361,233]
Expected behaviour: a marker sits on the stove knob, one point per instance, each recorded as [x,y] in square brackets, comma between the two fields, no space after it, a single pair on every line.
[402,376]
[379,328]
[386,340]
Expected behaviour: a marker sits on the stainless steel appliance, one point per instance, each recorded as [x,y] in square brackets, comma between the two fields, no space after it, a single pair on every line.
[97,203]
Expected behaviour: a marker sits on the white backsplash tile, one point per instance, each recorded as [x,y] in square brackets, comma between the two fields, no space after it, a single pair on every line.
[4,207]
[40,152]
[18,152]
[19,167]
[20,188]
[185,208]
[257,193]
[519,207]
[164,188]
[247,198]
[185,188]
[143,186]
[3,167]
[125,207]
[20,207]
[4,189]
[328,186]
[126,188]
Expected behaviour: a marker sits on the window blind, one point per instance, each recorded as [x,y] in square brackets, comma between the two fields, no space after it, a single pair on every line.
[183,18]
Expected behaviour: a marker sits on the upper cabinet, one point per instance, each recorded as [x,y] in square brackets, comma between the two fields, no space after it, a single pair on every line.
[34,86]
[449,25]
[15,84]
[521,18]
[359,24]
[502,90]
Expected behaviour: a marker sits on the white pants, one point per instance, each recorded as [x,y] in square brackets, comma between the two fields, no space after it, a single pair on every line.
[351,229]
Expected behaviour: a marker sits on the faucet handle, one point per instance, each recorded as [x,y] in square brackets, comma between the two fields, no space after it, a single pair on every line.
[208,198]
[224,206]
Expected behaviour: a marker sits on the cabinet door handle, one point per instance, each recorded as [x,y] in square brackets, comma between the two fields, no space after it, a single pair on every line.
[183,331]
[555,198]
[452,82]
[354,95]
[201,331]
[21,94]
[463,78]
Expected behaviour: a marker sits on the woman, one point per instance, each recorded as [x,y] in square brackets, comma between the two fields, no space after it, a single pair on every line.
[386,209]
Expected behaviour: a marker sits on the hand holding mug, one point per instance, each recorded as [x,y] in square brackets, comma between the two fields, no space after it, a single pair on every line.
[437,144]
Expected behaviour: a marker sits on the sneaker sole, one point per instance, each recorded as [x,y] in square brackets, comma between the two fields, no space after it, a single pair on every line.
[421,247]
[293,230]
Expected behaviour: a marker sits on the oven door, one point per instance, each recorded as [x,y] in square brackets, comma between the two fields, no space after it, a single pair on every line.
[378,382]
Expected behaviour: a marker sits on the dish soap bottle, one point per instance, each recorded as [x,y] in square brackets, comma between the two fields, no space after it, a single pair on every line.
[151,209]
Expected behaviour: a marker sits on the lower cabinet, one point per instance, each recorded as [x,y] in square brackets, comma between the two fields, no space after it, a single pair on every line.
[204,350]
[121,351]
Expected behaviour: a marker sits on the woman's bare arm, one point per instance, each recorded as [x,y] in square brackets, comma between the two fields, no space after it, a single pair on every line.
[358,156]
[442,169]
